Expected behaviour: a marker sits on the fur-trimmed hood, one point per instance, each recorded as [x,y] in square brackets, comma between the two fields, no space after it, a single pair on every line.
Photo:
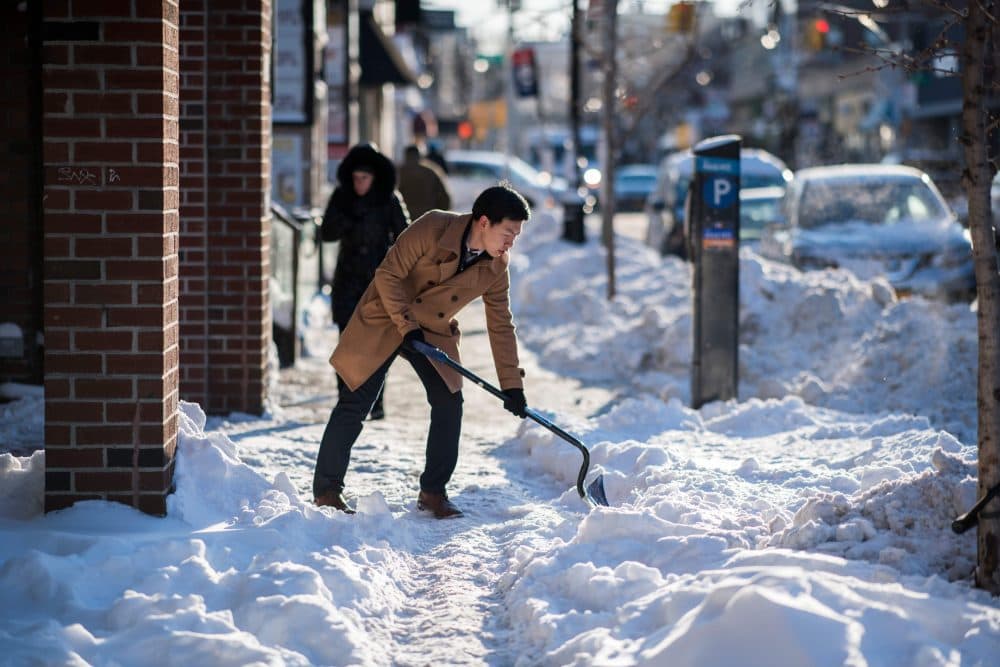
[368,155]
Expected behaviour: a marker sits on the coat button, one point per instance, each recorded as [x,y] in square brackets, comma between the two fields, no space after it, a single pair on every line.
[440,314]
[454,297]
[419,300]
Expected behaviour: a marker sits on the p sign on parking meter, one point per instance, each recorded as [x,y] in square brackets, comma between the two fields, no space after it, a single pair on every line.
[714,233]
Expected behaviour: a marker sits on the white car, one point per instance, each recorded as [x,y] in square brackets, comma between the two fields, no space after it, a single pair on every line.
[471,172]
[874,220]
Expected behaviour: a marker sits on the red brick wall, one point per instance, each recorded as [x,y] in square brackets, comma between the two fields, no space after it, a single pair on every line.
[225,216]
[20,196]
[110,130]
[194,272]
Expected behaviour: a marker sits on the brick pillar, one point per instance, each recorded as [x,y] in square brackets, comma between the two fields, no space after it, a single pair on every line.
[194,271]
[226,221]
[20,193]
[111,219]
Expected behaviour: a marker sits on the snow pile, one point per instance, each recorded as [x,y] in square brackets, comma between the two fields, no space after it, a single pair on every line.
[22,418]
[242,572]
[830,530]
[23,485]
[826,336]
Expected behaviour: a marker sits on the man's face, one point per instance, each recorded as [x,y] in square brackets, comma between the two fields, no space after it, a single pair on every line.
[499,238]
[362,182]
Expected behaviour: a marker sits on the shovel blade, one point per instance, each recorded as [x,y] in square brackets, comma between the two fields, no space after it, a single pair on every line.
[595,492]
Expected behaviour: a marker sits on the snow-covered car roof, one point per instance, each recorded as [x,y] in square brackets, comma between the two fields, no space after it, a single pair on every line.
[752,160]
[843,171]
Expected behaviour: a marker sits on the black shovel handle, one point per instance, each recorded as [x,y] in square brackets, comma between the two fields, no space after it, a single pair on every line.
[439,355]
[969,519]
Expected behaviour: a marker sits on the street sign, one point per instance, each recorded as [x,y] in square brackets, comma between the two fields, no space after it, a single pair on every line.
[525,73]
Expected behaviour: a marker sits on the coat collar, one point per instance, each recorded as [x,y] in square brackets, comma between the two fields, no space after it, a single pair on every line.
[451,240]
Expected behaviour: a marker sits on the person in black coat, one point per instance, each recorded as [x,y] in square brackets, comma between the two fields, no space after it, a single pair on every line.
[366,214]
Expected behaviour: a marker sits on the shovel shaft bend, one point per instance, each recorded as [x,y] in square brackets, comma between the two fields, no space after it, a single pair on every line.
[597,496]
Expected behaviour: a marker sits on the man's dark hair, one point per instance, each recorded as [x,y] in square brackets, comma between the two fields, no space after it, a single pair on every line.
[499,202]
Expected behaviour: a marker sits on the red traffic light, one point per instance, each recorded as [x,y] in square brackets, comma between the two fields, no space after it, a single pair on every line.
[822,26]
[465,130]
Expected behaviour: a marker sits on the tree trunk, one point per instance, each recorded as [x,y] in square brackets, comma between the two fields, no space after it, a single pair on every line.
[976,181]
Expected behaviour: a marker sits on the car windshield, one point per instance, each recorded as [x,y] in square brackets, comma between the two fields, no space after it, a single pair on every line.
[756,213]
[761,180]
[868,200]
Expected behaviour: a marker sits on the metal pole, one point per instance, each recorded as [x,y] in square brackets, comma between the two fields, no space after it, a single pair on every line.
[608,166]
[574,94]
[509,89]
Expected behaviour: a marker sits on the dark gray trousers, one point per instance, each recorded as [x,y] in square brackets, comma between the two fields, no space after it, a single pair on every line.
[352,407]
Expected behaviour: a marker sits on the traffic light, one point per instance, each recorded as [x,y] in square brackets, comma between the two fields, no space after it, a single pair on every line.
[680,17]
[817,31]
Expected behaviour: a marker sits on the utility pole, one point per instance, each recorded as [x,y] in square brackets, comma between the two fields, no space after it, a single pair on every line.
[574,93]
[511,134]
[610,68]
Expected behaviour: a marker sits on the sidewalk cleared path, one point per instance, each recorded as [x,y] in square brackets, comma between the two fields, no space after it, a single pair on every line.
[449,573]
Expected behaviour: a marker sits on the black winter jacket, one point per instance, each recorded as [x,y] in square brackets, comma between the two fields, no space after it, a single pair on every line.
[365,226]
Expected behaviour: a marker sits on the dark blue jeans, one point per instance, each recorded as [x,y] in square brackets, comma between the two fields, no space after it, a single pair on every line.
[352,407]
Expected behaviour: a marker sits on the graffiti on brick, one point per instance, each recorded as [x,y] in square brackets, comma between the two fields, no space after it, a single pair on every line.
[78,176]
[87,176]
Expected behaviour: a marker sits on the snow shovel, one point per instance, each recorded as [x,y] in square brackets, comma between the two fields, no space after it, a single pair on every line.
[594,493]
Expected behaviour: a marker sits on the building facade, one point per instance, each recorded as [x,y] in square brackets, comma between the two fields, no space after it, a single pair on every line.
[136,229]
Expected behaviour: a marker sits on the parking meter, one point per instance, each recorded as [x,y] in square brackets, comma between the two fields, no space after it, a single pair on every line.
[713,221]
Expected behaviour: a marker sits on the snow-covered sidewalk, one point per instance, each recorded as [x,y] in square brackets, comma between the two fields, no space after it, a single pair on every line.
[247,570]
[805,524]
[447,604]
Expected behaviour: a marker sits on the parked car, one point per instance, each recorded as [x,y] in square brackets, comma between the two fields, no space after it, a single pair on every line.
[665,204]
[875,220]
[633,183]
[471,172]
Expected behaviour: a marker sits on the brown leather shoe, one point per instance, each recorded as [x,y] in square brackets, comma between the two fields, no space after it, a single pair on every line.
[333,497]
[437,503]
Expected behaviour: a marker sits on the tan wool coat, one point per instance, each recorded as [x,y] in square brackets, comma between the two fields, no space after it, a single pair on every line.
[417,285]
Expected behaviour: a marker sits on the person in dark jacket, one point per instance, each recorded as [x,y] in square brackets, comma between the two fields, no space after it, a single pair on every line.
[422,184]
[366,214]
[435,155]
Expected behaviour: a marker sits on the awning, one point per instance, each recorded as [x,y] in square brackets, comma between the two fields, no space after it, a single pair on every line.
[380,60]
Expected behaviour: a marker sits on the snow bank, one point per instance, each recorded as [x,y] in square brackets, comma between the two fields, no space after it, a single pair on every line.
[242,572]
[825,336]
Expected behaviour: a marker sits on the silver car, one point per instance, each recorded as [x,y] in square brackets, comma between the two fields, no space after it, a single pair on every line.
[874,220]
[471,172]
